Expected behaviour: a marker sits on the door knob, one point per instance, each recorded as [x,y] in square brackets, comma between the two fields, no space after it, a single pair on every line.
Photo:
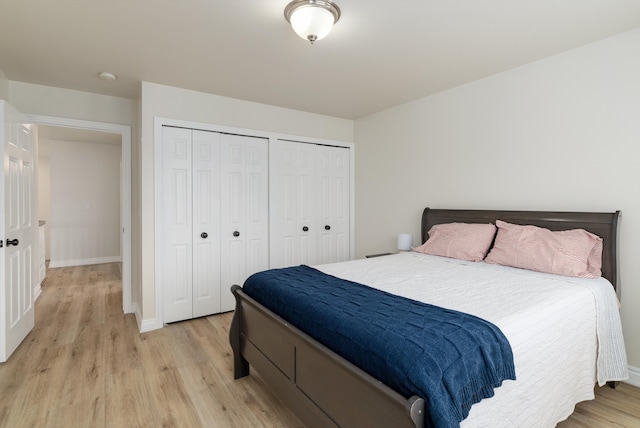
[11,242]
[204,235]
[327,227]
[305,229]
[236,233]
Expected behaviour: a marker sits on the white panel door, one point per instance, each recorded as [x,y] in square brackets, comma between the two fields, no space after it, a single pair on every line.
[177,224]
[292,195]
[206,223]
[245,210]
[18,231]
[191,223]
[332,210]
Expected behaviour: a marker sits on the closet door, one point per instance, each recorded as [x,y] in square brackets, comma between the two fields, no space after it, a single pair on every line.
[332,190]
[190,209]
[176,224]
[245,211]
[206,223]
[292,195]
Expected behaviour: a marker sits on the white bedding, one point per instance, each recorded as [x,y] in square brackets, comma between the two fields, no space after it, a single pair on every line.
[552,323]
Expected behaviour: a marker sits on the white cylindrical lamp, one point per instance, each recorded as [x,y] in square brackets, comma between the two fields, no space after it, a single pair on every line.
[405,240]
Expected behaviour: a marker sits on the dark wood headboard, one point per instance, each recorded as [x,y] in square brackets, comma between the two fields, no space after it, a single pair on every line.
[605,225]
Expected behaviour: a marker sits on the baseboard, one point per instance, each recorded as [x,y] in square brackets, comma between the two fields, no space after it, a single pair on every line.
[148,325]
[136,312]
[143,325]
[82,262]
[37,291]
[634,376]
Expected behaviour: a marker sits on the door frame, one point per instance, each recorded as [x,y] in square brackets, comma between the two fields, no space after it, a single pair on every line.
[125,186]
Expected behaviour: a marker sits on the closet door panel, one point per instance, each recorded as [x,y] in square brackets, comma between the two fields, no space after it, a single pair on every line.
[258,219]
[332,188]
[233,272]
[232,226]
[244,222]
[287,252]
[206,223]
[284,201]
[180,278]
[307,228]
[285,230]
[176,182]
[293,232]
[257,205]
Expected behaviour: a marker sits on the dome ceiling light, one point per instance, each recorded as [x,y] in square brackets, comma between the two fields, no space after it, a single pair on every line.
[312,19]
[106,76]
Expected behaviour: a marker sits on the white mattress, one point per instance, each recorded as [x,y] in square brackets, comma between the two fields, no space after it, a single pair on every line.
[552,323]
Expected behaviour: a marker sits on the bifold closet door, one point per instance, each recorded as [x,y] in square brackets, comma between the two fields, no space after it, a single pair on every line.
[292,193]
[245,211]
[310,203]
[332,189]
[191,223]
[207,287]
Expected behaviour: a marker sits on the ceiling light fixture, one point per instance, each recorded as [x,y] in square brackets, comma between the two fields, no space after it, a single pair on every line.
[106,76]
[312,19]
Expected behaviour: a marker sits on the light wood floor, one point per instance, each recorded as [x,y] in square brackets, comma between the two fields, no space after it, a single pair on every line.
[86,365]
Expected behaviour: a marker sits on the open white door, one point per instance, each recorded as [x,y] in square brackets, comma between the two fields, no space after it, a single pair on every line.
[18,230]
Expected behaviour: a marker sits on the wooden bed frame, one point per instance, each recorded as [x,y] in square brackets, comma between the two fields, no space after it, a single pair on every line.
[324,389]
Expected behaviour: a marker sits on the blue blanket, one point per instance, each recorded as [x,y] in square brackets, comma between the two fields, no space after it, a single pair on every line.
[450,359]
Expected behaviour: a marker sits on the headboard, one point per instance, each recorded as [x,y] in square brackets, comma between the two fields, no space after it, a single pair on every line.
[605,225]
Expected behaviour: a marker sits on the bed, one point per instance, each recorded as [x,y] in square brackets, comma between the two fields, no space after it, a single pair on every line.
[325,389]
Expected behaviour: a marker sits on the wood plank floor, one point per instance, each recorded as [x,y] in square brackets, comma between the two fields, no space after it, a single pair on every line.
[86,365]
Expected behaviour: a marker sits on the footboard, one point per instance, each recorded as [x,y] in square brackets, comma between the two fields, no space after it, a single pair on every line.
[321,387]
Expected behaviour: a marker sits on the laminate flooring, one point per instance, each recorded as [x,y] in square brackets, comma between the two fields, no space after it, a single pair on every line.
[86,365]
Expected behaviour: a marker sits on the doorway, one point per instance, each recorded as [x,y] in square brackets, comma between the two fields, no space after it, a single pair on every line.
[111,132]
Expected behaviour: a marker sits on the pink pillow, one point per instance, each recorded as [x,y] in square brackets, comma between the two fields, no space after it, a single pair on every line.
[466,241]
[573,252]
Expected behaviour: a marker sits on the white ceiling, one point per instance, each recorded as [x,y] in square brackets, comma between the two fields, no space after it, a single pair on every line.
[380,54]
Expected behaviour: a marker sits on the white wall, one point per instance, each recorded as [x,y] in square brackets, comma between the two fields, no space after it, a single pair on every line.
[4,87]
[175,103]
[558,134]
[44,195]
[49,101]
[84,219]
